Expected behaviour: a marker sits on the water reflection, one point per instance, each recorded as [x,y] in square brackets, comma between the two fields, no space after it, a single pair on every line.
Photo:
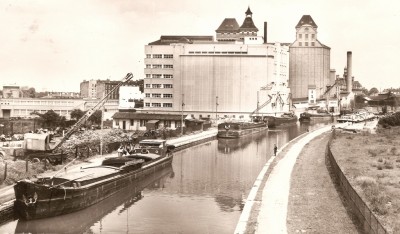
[227,146]
[204,193]
[81,221]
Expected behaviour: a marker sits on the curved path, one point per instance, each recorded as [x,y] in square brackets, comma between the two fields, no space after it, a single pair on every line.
[266,209]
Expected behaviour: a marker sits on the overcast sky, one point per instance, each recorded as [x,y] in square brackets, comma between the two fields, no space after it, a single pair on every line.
[54,45]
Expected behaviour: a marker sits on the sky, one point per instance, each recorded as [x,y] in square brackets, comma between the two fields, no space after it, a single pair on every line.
[54,45]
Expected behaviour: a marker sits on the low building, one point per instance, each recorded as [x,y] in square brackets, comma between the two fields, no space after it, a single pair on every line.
[11,91]
[23,107]
[145,121]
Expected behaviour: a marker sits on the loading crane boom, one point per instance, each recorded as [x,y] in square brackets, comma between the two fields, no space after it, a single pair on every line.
[90,112]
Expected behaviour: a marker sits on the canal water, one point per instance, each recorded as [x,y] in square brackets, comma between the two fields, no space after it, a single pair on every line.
[202,192]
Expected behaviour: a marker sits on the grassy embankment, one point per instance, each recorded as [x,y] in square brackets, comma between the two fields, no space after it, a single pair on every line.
[371,162]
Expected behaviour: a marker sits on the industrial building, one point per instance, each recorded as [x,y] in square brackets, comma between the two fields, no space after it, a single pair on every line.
[309,66]
[228,77]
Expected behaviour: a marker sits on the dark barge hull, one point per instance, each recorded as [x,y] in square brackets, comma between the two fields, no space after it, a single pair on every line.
[58,201]
[232,134]
[274,121]
[81,221]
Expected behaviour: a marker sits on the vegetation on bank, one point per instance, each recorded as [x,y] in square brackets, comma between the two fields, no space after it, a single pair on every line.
[390,120]
[371,163]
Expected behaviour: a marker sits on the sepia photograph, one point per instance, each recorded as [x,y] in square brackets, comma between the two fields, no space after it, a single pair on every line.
[181,116]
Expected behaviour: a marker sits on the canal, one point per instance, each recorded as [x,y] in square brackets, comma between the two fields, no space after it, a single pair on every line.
[202,192]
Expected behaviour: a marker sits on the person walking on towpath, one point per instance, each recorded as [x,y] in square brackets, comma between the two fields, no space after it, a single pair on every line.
[275,149]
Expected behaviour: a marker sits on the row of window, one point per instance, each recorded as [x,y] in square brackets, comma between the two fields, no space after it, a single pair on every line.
[28,111]
[159,56]
[242,33]
[159,86]
[45,103]
[142,123]
[158,95]
[160,66]
[157,104]
[217,52]
[165,76]
[306,36]
[306,43]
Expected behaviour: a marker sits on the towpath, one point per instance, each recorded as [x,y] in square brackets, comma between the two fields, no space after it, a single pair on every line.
[294,192]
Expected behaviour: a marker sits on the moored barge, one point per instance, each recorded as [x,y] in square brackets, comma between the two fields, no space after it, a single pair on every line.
[238,129]
[75,190]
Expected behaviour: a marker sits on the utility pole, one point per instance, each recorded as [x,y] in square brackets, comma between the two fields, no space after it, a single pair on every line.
[183,104]
[216,108]
[101,131]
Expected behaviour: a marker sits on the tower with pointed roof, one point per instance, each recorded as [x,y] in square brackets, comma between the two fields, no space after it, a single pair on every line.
[309,66]
[229,30]
[248,27]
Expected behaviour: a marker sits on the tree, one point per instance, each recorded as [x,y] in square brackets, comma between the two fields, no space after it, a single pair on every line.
[373,91]
[77,114]
[29,93]
[96,117]
[50,118]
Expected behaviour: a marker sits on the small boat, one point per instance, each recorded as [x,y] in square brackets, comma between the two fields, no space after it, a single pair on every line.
[305,117]
[358,117]
[238,129]
[77,189]
[284,119]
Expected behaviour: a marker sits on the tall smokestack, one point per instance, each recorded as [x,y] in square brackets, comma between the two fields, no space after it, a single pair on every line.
[349,78]
[265,32]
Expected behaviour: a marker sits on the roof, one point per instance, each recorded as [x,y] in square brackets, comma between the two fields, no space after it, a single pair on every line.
[248,12]
[306,19]
[248,25]
[167,40]
[146,116]
[228,25]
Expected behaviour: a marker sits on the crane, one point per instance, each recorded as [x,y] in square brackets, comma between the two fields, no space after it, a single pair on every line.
[37,145]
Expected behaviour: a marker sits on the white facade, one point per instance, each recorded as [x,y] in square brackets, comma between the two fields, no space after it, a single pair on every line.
[127,97]
[22,107]
[216,79]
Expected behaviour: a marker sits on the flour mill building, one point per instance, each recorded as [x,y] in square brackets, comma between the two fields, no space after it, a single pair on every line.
[226,77]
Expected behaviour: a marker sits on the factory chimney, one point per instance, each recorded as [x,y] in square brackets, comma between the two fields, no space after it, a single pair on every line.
[265,32]
[349,78]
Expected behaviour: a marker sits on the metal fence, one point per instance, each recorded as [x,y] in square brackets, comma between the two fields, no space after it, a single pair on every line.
[366,217]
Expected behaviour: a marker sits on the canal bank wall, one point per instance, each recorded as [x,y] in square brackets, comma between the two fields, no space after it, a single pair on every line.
[365,216]
[7,197]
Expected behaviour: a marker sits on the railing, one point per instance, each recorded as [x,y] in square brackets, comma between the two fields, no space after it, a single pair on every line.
[366,217]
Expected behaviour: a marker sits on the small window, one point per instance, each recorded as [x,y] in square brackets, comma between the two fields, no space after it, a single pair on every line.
[306,36]
[300,35]
[157,55]
[131,122]
[306,43]
[300,44]
[147,95]
[312,43]
[148,55]
[313,36]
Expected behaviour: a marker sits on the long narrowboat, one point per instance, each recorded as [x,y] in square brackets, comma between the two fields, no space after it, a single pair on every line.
[238,129]
[78,189]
